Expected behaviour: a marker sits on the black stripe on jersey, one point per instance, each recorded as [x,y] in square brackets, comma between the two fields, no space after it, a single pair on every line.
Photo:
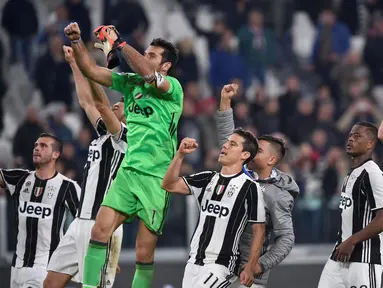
[166,209]
[123,134]
[32,226]
[235,222]
[368,190]
[83,186]
[14,176]
[101,127]
[208,226]
[16,204]
[172,124]
[103,175]
[358,216]
[58,215]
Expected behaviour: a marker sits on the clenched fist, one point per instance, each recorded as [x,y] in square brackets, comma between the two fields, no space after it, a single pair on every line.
[72,31]
[187,146]
[229,91]
[68,53]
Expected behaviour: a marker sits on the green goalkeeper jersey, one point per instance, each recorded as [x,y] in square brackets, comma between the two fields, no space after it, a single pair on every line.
[152,119]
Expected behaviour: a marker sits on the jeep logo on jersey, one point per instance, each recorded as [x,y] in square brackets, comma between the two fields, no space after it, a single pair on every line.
[94,155]
[35,210]
[145,111]
[345,201]
[215,209]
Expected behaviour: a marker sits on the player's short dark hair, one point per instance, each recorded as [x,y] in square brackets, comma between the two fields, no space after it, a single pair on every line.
[250,143]
[170,53]
[371,129]
[57,145]
[276,143]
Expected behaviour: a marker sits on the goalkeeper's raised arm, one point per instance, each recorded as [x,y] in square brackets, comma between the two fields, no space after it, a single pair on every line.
[86,64]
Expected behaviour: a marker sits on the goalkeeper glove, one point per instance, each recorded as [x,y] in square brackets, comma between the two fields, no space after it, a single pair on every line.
[108,45]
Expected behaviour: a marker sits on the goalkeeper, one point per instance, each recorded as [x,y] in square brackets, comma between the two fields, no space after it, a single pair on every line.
[153,106]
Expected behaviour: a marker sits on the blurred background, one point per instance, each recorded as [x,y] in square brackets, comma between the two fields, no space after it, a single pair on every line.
[307,70]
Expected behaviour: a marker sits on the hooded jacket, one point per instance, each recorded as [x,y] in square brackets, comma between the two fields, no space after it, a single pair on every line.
[279,192]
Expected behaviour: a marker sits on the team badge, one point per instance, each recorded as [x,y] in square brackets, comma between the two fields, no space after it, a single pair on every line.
[263,188]
[138,96]
[231,191]
[219,189]
[38,191]
[51,191]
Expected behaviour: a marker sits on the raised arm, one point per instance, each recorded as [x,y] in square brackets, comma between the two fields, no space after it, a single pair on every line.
[172,181]
[82,88]
[135,60]
[84,61]
[380,132]
[225,120]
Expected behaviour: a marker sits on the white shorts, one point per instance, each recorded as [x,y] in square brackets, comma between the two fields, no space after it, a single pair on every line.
[28,277]
[237,284]
[209,276]
[69,255]
[350,275]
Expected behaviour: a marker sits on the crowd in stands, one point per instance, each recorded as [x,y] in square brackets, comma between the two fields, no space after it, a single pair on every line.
[309,96]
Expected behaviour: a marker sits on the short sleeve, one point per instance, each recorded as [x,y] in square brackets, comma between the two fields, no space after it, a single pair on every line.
[72,197]
[12,177]
[175,93]
[122,82]
[373,183]
[255,204]
[101,127]
[120,141]
[196,182]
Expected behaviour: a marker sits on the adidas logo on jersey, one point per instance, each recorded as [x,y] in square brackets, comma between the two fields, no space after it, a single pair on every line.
[35,210]
[215,209]
[345,201]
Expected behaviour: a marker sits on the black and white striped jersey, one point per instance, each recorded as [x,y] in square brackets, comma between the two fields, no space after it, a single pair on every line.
[104,158]
[42,207]
[361,197]
[226,205]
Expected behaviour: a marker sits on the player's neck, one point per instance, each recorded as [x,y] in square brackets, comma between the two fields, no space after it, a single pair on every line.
[231,170]
[264,173]
[45,172]
[359,160]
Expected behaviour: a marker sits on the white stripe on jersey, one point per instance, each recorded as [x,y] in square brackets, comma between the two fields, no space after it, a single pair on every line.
[104,158]
[42,207]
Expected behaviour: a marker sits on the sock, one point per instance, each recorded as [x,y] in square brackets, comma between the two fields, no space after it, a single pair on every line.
[143,276]
[94,261]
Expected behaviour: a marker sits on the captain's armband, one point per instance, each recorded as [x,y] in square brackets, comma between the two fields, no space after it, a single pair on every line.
[155,79]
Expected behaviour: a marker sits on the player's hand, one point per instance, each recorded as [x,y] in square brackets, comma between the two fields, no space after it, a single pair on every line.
[247,276]
[68,53]
[72,31]
[187,146]
[258,269]
[229,91]
[344,250]
[118,269]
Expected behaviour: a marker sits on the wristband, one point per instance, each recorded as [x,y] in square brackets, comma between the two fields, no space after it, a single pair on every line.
[76,41]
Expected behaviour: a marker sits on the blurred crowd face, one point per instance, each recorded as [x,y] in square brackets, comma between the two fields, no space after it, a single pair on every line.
[241,110]
[305,106]
[43,153]
[256,19]
[61,13]
[293,84]
[328,18]
[358,142]
[84,137]
[319,139]
[68,150]
[326,112]
[192,90]
[272,107]
[32,115]
[56,46]
[232,151]
[189,108]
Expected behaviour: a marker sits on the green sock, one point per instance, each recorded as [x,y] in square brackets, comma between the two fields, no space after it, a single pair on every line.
[94,261]
[143,276]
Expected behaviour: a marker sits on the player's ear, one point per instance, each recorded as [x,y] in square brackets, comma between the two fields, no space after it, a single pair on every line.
[273,160]
[56,155]
[166,66]
[245,155]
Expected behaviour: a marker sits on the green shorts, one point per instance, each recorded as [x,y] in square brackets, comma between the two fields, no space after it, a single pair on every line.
[137,194]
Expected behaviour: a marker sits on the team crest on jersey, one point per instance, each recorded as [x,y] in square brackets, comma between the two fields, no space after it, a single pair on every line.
[219,189]
[138,96]
[38,190]
[263,188]
[231,191]
[51,192]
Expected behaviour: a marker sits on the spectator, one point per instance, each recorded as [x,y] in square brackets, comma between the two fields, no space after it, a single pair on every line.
[208,124]
[331,44]
[213,37]
[257,46]
[132,19]
[58,127]
[225,63]
[25,137]
[187,68]
[326,122]
[68,163]
[21,23]
[242,115]
[138,42]
[267,122]
[82,145]
[52,74]
[79,13]
[372,51]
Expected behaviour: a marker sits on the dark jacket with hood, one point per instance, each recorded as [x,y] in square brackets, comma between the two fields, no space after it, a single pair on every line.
[279,192]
